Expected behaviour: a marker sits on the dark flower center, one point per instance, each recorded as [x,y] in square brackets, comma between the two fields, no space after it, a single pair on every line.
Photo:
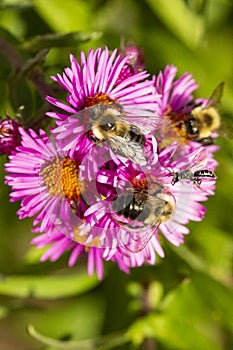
[99,98]
[139,184]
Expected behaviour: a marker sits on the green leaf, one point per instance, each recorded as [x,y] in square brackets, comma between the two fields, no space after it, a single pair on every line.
[217,297]
[185,24]
[12,21]
[34,254]
[58,40]
[15,3]
[9,37]
[78,345]
[190,318]
[72,16]
[47,287]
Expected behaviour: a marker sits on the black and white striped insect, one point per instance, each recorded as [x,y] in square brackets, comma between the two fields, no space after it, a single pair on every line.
[196,176]
[193,172]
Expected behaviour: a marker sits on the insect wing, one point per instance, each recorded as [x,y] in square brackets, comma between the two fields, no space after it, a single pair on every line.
[141,237]
[131,149]
[216,96]
[147,123]
[167,134]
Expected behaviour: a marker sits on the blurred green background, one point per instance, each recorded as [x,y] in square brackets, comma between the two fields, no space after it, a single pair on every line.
[189,293]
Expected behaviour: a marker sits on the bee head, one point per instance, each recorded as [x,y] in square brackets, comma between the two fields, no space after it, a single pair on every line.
[169,206]
[107,122]
[192,127]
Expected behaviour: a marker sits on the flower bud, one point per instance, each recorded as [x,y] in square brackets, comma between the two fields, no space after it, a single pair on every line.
[136,57]
[9,135]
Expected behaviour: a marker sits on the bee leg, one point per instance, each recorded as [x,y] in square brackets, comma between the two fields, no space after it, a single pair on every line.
[91,137]
[197,182]
[175,179]
[206,141]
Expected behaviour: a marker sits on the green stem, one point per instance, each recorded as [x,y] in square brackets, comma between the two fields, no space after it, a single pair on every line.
[148,343]
[105,343]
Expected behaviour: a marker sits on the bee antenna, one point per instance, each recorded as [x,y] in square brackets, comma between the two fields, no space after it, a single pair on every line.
[171,172]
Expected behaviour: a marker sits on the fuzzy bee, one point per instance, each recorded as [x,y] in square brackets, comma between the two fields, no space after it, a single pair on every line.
[199,124]
[203,121]
[109,123]
[139,206]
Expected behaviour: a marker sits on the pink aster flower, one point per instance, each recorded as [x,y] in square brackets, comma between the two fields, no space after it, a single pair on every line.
[176,94]
[45,179]
[113,236]
[98,79]
[58,244]
[117,225]
[186,192]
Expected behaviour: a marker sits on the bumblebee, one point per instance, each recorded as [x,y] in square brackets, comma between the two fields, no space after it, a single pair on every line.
[141,207]
[123,133]
[108,123]
[199,124]
[203,121]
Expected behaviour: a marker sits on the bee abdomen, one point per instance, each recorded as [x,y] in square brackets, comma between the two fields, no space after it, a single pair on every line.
[132,206]
[136,135]
[204,173]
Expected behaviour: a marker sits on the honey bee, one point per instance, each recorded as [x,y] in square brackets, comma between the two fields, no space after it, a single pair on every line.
[141,207]
[108,123]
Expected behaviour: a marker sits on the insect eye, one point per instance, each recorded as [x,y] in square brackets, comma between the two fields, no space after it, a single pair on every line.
[108,126]
[193,127]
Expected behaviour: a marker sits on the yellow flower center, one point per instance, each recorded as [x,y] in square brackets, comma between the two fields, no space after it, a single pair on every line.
[82,238]
[61,178]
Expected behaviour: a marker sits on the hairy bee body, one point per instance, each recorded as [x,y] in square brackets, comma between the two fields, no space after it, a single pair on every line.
[134,134]
[108,124]
[203,121]
[143,207]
